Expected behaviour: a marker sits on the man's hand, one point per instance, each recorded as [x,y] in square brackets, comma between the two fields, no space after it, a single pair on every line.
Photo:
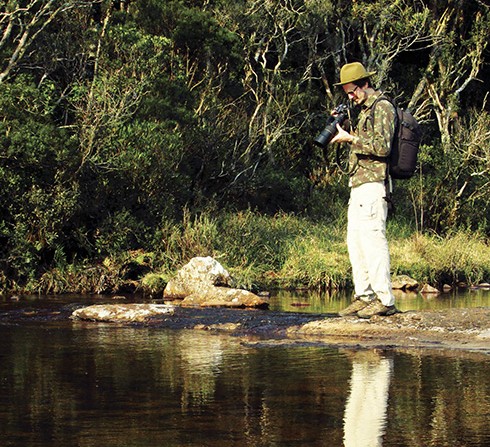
[342,136]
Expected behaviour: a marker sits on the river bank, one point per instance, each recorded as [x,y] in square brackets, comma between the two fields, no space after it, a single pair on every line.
[264,253]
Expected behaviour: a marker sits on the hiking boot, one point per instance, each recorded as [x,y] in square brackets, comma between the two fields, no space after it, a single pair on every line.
[356,305]
[376,308]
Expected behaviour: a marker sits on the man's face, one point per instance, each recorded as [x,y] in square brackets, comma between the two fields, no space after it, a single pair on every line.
[355,93]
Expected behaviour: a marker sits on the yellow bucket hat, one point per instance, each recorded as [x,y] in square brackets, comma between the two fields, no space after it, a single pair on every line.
[353,72]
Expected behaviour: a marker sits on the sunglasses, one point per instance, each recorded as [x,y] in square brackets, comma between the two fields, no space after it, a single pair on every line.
[351,92]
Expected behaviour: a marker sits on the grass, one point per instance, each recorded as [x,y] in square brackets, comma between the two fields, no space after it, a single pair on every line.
[460,257]
[276,252]
[291,252]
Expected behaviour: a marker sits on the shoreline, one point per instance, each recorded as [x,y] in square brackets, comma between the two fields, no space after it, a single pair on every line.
[457,329]
[466,329]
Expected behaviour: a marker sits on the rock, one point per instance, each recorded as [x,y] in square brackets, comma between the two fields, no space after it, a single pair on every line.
[224,297]
[481,286]
[427,289]
[205,282]
[404,282]
[123,313]
[197,275]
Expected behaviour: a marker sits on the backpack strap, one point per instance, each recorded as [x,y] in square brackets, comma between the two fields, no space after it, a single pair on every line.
[388,182]
[381,97]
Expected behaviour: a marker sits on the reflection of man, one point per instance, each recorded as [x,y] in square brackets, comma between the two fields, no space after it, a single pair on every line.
[370,144]
[365,411]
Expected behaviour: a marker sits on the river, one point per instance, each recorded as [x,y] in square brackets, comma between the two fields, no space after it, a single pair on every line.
[67,383]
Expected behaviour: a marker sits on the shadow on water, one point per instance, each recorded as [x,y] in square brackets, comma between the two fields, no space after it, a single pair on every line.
[86,384]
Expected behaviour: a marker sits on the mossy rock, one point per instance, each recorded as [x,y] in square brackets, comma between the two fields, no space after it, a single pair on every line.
[154,282]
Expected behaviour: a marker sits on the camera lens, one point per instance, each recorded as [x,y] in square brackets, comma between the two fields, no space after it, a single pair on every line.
[330,129]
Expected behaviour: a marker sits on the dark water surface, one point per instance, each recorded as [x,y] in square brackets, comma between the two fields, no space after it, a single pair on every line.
[70,384]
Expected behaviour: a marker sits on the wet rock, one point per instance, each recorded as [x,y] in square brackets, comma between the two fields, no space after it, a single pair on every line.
[404,282]
[428,289]
[466,329]
[121,313]
[481,286]
[205,282]
[224,297]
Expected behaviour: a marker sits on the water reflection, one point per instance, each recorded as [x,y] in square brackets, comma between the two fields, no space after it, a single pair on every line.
[94,384]
[333,301]
[365,411]
[201,361]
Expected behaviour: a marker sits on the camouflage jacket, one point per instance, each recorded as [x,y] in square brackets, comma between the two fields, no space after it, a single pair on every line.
[371,138]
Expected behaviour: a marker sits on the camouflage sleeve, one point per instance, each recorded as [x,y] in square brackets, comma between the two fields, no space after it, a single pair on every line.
[377,137]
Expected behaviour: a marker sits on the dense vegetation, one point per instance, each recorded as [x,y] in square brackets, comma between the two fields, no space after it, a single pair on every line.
[175,128]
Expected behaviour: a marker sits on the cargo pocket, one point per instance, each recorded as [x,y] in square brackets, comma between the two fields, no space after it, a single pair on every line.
[368,210]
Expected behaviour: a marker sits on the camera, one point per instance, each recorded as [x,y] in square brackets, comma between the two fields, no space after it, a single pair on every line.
[330,130]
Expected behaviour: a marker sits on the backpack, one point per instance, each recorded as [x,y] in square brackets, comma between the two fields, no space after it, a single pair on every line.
[402,161]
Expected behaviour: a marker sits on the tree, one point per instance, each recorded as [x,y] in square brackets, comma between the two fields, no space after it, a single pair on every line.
[21,23]
[453,67]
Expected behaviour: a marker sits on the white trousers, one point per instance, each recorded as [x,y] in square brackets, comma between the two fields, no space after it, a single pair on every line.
[367,243]
[366,409]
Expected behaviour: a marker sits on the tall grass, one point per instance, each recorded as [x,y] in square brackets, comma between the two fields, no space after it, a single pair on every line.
[460,257]
[289,251]
[282,251]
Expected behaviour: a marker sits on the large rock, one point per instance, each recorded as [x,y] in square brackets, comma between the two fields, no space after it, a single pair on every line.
[121,313]
[205,282]
[428,289]
[224,297]
[404,282]
[199,274]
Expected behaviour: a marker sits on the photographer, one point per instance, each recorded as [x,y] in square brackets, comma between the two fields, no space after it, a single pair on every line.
[370,144]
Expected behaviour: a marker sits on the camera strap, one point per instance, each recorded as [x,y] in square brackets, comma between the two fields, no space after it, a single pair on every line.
[344,165]
[340,164]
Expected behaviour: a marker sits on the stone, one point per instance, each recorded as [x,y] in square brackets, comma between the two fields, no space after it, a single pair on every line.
[121,313]
[428,289]
[404,282]
[204,282]
[224,297]
[197,275]
[481,286]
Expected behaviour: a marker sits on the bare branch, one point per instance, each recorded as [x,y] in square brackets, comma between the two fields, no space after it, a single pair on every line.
[21,26]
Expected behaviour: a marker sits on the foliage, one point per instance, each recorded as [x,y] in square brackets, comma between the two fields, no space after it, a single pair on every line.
[135,125]
[268,252]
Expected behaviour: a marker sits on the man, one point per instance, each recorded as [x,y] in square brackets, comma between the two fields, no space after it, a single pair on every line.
[370,144]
